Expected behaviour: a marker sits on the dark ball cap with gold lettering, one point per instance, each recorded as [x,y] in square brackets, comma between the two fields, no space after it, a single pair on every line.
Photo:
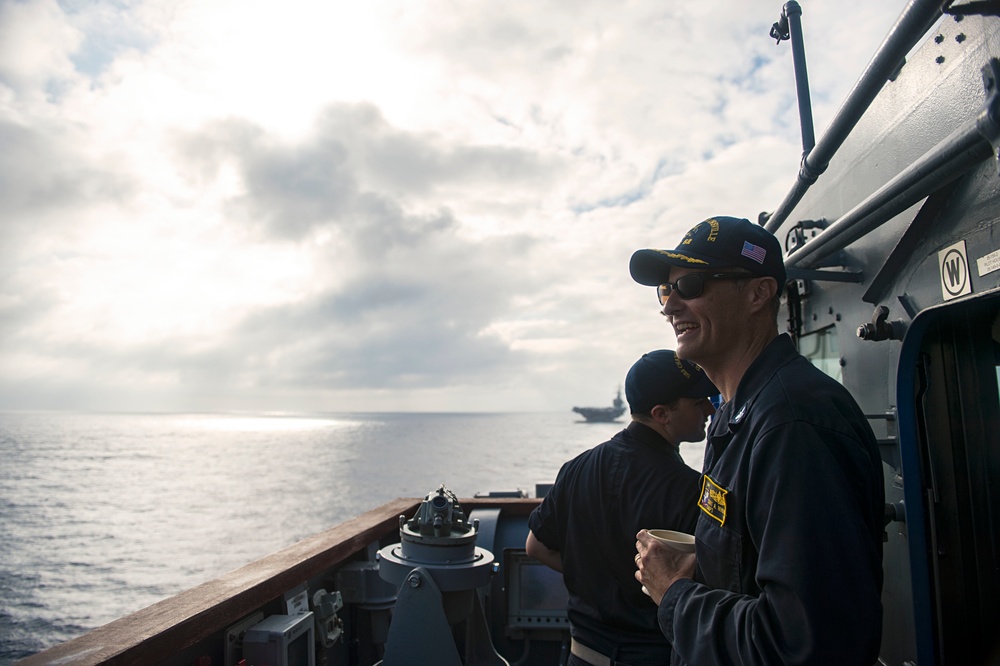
[716,243]
[660,377]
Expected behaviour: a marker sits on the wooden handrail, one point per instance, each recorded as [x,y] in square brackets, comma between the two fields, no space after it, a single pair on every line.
[169,626]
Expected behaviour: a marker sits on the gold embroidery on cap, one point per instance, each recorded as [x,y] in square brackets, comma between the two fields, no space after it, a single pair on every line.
[713,231]
[675,255]
[680,366]
[714,225]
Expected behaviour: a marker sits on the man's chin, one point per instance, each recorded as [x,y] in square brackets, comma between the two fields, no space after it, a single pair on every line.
[686,351]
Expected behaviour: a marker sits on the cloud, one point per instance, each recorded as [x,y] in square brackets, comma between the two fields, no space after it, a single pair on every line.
[383,205]
[43,173]
[35,42]
[403,300]
[353,172]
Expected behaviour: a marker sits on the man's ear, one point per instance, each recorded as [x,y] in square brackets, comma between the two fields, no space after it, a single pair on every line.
[762,292]
[660,414]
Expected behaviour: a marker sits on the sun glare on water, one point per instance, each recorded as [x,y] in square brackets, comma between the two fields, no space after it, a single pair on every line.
[263,423]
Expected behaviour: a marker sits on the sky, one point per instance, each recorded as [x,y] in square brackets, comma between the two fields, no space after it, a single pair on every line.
[391,205]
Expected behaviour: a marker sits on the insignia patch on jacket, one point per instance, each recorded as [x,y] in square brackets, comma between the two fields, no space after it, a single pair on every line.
[713,499]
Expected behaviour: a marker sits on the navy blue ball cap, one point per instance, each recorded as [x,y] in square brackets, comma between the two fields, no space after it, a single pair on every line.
[716,243]
[660,377]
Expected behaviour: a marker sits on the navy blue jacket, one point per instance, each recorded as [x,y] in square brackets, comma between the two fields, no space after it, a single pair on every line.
[600,499]
[789,536]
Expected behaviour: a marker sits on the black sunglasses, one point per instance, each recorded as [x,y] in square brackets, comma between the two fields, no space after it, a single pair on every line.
[691,285]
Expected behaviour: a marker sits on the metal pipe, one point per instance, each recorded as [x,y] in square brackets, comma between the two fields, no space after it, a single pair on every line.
[955,155]
[793,12]
[917,18]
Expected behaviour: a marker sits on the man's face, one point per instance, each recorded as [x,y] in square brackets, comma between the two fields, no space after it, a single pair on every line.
[689,417]
[709,325]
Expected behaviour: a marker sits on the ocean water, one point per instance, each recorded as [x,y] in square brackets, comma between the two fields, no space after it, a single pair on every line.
[104,514]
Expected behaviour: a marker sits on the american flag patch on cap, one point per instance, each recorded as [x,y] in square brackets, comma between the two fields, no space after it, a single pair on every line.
[755,252]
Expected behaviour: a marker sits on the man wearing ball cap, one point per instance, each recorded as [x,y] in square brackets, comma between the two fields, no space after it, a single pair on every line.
[585,527]
[789,529]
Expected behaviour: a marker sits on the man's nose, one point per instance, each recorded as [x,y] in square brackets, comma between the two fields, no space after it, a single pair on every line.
[671,304]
